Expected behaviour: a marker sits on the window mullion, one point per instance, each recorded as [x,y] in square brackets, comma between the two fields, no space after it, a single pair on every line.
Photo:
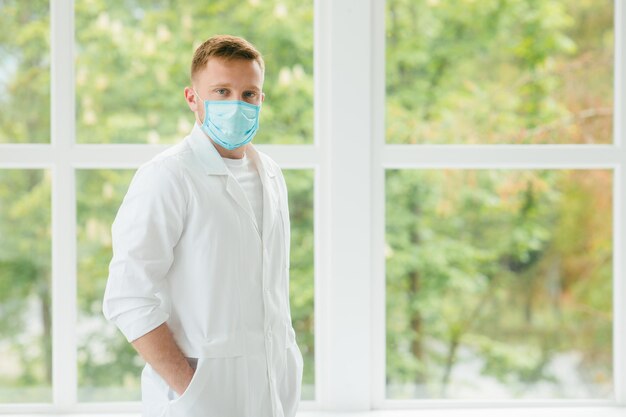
[64,367]
[346,184]
[500,156]
[378,299]
[322,181]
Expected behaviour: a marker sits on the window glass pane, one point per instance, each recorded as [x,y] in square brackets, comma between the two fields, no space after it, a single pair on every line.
[24,71]
[499,284]
[300,185]
[25,270]
[134,56]
[109,369]
[492,71]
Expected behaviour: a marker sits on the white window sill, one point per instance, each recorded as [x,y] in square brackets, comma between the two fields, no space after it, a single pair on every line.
[422,412]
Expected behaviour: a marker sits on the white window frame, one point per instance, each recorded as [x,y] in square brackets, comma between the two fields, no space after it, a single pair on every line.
[349,157]
[611,157]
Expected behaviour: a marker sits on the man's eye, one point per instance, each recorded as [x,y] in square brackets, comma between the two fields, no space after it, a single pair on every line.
[221,91]
[250,94]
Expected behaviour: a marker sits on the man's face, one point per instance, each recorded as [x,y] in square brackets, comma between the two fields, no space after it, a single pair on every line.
[221,79]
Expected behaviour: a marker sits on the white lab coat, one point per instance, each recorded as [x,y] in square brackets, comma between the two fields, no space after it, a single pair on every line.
[186,251]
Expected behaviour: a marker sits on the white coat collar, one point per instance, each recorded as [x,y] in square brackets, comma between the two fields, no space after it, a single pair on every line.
[212,161]
[213,164]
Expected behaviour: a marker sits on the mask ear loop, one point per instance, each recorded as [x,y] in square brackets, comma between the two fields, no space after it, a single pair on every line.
[196,94]
[203,105]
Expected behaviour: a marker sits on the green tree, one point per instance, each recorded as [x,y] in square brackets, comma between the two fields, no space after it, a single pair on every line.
[25,311]
[476,262]
[499,71]
[133,61]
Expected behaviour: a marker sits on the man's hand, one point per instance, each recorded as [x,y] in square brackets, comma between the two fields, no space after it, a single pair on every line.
[159,349]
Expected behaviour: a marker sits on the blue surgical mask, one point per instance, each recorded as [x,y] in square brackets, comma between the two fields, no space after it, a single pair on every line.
[230,123]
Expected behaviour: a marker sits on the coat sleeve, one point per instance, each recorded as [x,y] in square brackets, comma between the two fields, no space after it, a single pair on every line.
[144,233]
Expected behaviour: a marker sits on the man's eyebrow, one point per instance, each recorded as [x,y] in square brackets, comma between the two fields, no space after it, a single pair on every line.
[252,87]
[220,85]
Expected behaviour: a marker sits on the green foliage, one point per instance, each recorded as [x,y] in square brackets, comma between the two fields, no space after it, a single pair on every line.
[106,361]
[24,71]
[25,321]
[477,276]
[499,71]
[134,57]
[301,289]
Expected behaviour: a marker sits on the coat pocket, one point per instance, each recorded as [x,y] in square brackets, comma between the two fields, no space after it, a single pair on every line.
[180,405]
[219,386]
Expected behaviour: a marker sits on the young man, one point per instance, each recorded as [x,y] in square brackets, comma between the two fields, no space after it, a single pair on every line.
[199,279]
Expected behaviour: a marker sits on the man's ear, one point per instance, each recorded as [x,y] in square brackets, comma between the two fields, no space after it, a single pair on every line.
[191,99]
[262,97]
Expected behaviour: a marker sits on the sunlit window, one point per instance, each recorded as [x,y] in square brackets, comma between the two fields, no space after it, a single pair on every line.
[499,284]
[491,71]
[133,60]
[25,292]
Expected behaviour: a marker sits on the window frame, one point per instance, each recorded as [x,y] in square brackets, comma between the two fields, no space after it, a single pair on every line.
[349,157]
[452,156]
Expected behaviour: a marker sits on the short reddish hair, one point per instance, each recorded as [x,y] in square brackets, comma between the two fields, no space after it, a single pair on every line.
[227,47]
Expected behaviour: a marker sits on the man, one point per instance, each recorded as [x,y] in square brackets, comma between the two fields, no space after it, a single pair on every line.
[199,279]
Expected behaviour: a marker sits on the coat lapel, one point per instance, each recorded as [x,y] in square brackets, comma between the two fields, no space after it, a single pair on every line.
[270,188]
